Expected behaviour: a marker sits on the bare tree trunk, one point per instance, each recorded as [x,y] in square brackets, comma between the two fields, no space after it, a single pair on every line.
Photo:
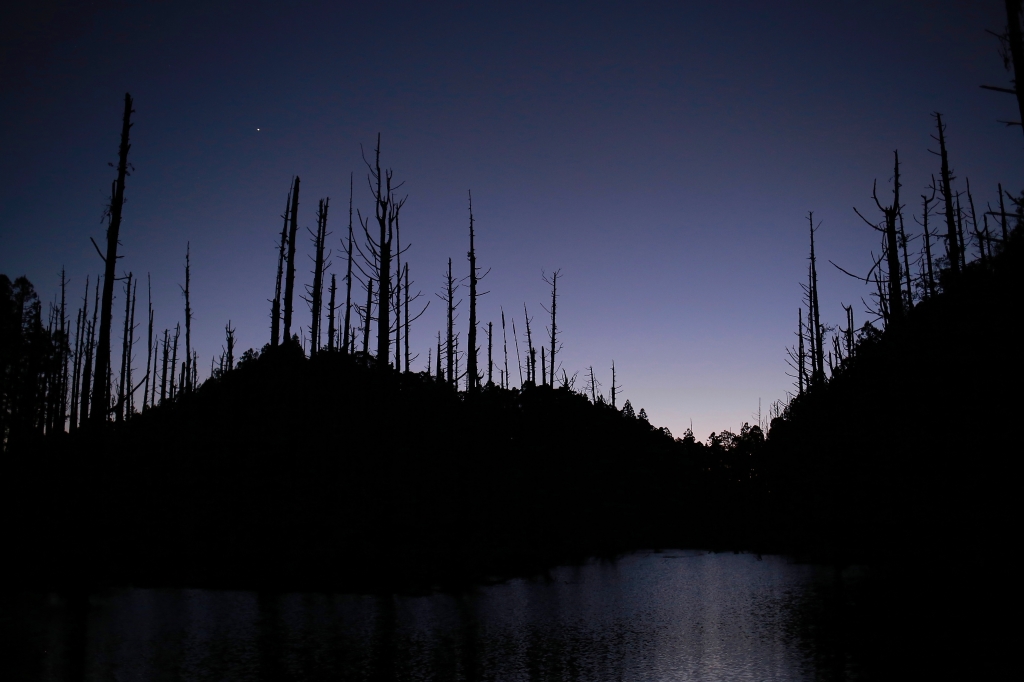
[490,357]
[124,348]
[553,367]
[801,354]
[275,308]
[330,325]
[531,359]
[543,368]
[615,388]
[87,387]
[504,339]
[76,379]
[450,284]
[928,239]
[101,392]
[818,368]
[473,380]
[1002,215]
[187,386]
[1013,10]
[163,372]
[367,316]
[407,300]
[149,341]
[175,385]
[348,272]
[892,247]
[289,280]
[316,304]
[519,357]
[946,178]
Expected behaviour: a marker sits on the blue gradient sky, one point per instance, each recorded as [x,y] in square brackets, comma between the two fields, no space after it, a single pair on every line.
[663,156]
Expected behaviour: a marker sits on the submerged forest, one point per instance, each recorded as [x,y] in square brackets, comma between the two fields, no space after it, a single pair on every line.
[323,460]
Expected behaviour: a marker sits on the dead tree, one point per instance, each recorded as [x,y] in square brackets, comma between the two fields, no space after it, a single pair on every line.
[531,360]
[81,338]
[101,392]
[348,272]
[801,357]
[229,341]
[163,371]
[124,349]
[174,361]
[552,281]
[275,308]
[929,272]
[87,388]
[615,388]
[504,339]
[815,332]
[946,178]
[367,316]
[450,286]
[289,280]
[379,252]
[473,381]
[519,357]
[490,358]
[330,324]
[186,387]
[149,341]
[316,290]
[892,253]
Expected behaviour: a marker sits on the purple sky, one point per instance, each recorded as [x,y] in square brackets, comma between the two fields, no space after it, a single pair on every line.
[663,157]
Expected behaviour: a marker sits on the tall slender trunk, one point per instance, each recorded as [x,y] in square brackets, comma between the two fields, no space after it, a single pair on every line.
[946,179]
[101,392]
[473,378]
[186,387]
[490,357]
[440,373]
[614,387]
[367,317]
[543,367]
[892,248]
[330,325]
[289,280]
[801,356]
[928,242]
[974,221]
[87,388]
[450,344]
[504,339]
[348,272]
[124,349]
[318,277]
[130,385]
[80,337]
[175,384]
[960,234]
[397,295]
[816,331]
[275,308]
[163,371]
[406,335]
[552,365]
[1002,215]
[149,341]
[519,358]
[531,363]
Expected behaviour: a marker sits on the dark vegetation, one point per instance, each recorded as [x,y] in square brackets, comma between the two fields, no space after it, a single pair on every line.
[320,463]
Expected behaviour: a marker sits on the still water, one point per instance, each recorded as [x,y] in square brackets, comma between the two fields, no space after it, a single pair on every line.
[648,616]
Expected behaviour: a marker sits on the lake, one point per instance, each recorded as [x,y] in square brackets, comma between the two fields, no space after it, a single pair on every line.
[674,615]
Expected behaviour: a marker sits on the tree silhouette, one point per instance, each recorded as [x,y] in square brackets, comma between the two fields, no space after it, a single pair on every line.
[101,391]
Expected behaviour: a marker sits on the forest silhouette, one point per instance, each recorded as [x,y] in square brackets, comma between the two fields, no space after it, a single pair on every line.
[325,462]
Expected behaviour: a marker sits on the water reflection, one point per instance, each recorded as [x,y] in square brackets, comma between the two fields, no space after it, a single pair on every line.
[648,616]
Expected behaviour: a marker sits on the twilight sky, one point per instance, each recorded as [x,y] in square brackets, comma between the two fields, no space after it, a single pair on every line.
[662,155]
